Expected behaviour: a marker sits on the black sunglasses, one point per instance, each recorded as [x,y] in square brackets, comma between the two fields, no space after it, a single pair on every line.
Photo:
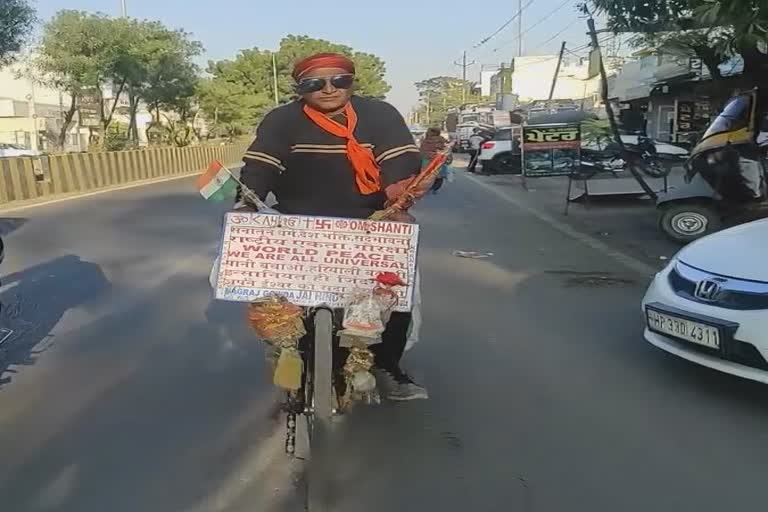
[314,84]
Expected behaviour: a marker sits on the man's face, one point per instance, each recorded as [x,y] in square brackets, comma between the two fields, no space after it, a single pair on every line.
[330,98]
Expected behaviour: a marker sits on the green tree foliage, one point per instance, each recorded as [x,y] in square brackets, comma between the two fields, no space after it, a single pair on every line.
[240,91]
[712,30]
[157,68]
[16,20]
[86,54]
[440,94]
[597,132]
[77,55]
[747,24]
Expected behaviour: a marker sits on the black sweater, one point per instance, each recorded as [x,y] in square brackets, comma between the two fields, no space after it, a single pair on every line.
[307,168]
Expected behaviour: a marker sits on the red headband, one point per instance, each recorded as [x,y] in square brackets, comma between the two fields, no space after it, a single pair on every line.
[322,60]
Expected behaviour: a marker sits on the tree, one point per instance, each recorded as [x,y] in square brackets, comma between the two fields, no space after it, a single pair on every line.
[440,94]
[77,56]
[87,54]
[712,30]
[597,132]
[748,36]
[240,91]
[157,68]
[16,20]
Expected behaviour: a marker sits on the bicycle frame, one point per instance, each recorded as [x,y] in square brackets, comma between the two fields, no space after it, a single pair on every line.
[317,405]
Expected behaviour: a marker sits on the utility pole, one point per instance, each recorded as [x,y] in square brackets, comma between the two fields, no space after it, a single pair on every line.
[124,10]
[464,65]
[429,100]
[520,28]
[557,73]
[274,79]
[609,110]
[34,138]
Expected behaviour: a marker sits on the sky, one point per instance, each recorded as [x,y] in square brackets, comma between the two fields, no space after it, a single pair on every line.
[417,39]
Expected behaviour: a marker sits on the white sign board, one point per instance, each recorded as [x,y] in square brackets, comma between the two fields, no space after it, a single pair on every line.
[312,260]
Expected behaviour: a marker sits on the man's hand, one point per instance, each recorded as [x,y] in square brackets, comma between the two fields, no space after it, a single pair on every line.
[396,190]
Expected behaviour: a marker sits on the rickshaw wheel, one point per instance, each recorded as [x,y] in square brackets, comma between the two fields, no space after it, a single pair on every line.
[688,221]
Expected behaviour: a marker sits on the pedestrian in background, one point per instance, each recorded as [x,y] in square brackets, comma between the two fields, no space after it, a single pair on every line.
[475,145]
[433,144]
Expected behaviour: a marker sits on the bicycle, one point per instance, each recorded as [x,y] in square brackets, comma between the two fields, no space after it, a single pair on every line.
[310,312]
[318,408]
[316,397]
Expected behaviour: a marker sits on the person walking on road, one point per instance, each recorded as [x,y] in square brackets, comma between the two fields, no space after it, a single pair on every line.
[433,144]
[334,154]
[475,145]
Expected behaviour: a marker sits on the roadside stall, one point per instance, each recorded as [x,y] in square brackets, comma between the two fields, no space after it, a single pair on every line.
[551,150]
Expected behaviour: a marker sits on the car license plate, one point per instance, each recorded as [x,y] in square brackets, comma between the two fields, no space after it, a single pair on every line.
[683,329]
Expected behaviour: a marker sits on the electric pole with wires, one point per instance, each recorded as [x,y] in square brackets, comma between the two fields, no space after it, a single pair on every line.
[557,73]
[464,65]
[609,107]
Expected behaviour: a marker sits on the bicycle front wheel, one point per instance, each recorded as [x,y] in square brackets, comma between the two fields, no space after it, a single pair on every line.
[319,467]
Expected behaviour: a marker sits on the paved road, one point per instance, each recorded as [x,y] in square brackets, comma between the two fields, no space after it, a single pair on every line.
[130,390]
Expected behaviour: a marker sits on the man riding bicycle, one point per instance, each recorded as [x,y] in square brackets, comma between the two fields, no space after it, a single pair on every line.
[335,154]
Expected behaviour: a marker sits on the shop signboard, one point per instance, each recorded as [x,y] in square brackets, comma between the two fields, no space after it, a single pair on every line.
[551,150]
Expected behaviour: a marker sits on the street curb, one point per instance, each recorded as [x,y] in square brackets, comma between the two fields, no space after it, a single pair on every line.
[630,262]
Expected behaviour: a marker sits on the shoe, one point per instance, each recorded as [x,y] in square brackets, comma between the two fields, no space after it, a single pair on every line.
[398,386]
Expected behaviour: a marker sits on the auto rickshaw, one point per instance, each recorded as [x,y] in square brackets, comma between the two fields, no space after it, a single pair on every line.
[725,180]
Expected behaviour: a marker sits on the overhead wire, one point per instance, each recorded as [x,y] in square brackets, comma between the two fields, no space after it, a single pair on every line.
[569,25]
[573,52]
[505,25]
[542,20]
[545,18]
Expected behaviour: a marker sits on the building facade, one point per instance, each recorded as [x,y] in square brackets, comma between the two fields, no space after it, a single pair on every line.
[32,116]
[532,79]
[666,97]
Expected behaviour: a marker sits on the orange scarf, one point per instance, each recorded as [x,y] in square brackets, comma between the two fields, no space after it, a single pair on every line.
[367,172]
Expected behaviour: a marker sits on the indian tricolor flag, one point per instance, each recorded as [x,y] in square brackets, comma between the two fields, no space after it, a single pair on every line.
[217,184]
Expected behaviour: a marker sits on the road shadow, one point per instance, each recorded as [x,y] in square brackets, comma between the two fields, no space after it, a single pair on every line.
[35,299]
[184,215]
[10,224]
[179,403]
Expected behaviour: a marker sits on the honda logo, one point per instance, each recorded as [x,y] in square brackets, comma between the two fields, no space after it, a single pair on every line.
[708,290]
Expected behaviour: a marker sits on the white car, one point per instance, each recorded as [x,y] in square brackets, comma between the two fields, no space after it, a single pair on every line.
[10,150]
[710,305]
[501,154]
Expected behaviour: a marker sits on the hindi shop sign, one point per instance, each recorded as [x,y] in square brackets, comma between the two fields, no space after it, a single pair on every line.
[551,150]
[312,260]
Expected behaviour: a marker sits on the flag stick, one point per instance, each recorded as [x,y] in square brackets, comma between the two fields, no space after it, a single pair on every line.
[407,197]
[249,194]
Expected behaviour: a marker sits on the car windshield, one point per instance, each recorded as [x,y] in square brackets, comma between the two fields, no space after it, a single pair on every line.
[734,116]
